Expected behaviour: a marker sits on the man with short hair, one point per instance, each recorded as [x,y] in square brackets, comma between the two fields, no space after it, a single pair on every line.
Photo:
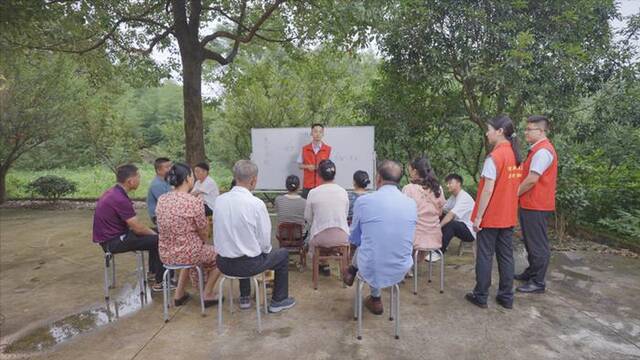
[159,185]
[309,158]
[537,201]
[205,187]
[117,228]
[242,230]
[457,220]
[382,228]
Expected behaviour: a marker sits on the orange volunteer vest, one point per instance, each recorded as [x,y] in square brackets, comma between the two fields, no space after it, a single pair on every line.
[542,196]
[312,178]
[502,210]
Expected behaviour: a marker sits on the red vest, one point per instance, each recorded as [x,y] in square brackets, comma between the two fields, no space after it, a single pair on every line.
[312,178]
[542,196]
[502,210]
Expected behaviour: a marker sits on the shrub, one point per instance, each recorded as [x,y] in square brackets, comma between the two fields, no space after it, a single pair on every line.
[52,187]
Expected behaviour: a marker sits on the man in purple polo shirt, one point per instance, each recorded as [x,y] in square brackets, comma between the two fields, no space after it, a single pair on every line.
[117,228]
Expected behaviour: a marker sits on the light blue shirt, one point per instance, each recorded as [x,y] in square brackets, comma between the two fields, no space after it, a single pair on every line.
[157,188]
[383,227]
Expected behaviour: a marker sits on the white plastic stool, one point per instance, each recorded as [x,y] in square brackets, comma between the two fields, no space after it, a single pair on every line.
[257,289]
[166,286]
[110,283]
[416,265]
[394,305]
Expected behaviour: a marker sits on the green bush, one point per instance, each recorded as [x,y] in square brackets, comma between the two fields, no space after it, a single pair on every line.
[626,223]
[52,187]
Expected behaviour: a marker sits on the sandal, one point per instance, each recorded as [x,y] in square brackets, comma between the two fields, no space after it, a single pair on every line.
[182,300]
[210,303]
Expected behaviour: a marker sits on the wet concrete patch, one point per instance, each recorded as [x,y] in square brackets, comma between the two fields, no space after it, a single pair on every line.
[45,337]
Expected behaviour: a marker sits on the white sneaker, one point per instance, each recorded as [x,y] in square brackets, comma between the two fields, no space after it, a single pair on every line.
[434,257]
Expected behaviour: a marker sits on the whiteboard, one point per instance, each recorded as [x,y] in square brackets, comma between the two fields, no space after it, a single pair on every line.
[276,151]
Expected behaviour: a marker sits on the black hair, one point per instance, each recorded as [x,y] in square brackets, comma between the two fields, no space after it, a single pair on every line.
[292,183]
[327,170]
[124,172]
[537,119]
[159,161]
[178,174]
[317,124]
[203,165]
[504,122]
[390,171]
[361,178]
[426,176]
[456,177]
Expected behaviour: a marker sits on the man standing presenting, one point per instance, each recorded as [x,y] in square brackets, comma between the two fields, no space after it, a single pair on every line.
[537,200]
[310,157]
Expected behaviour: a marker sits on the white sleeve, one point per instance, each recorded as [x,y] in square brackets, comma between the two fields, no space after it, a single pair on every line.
[264,228]
[463,205]
[489,169]
[541,161]
[450,204]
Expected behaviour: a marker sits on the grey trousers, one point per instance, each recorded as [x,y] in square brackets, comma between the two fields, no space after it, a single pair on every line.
[498,241]
[536,242]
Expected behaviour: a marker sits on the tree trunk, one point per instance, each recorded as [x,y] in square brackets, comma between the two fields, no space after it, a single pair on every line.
[3,183]
[192,96]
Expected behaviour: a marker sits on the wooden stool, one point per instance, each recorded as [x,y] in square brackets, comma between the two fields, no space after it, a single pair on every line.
[340,253]
[290,237]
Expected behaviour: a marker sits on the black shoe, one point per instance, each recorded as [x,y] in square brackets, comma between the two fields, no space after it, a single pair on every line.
[530,288]
[183,300]
[349,275]
[470,297]
[504,303]
[521,277]
[325,270]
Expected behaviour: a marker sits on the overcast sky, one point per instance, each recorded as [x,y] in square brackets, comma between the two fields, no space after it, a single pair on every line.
[209,89]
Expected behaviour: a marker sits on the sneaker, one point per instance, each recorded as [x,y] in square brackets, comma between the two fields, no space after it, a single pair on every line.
[434,257]
[245,302]
[277,306]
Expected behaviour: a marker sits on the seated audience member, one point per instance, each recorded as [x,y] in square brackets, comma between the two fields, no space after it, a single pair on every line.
[457,221]
[360,183]
[383,227]
[205,187]
[326,210]
[243,239]
[183,231]
[425,190]
[290,206]
[158,186]
[117,228]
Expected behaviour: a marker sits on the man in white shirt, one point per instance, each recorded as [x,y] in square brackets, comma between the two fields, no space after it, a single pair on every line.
[205,187]
[457,221]
[243,239]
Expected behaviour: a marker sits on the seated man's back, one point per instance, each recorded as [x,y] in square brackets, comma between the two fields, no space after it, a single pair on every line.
[384,222]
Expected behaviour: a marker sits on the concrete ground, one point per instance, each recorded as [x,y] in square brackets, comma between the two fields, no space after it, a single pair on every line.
[52,306]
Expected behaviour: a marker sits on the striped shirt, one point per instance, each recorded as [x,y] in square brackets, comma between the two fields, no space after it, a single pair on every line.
[290,209]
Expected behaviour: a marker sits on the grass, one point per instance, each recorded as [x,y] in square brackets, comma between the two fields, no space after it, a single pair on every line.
[91,182]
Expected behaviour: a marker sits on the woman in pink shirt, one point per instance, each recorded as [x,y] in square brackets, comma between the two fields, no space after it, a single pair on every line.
[425,190]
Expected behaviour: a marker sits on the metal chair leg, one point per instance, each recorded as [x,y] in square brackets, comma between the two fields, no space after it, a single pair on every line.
[415,272]
[113,271]
[393,289]
[144,274]
[201,288]
[359,297]
[107,261]
[264,292]
[220,291]
[397,308]
[355,304]
[430,264]
[441,272]
[255,283]
[166,293]
[230,296]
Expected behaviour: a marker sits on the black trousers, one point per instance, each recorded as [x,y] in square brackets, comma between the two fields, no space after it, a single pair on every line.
[457,229]
[536,242]
[498,241]
[277,259]
[133,242]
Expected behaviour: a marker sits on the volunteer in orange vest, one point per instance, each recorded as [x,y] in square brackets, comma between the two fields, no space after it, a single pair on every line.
[537,201]
[310,157]
[495,212]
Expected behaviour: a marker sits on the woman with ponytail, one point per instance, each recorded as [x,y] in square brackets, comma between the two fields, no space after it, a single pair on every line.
[183,234]
[425,190]
[495,211]
[360,182]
